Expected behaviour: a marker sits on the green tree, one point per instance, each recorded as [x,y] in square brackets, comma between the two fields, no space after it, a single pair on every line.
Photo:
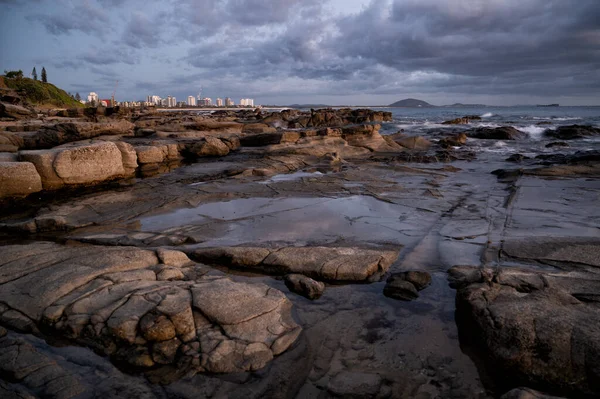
[34,74]
[14,74]
[44,76]
[77,97]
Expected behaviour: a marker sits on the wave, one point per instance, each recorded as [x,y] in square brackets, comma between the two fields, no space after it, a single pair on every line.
[553,118]
[487,115]
[535,132]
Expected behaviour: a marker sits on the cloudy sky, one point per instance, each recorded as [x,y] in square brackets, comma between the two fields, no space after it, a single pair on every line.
[366,52]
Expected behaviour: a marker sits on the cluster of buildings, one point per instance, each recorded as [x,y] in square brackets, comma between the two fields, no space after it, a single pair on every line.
[199,101]
[171,102]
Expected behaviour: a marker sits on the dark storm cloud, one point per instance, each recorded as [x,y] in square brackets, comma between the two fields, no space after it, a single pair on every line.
[493,39]
[83,16]
[504,47]
[109,55]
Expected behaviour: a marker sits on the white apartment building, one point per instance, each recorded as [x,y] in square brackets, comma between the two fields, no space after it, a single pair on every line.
[219,102]
[229,102]
[156,100]
[191,101]
[171,102]
[92,97]
[247,102]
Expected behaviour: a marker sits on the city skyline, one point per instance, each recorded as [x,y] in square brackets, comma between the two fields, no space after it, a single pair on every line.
[366,52]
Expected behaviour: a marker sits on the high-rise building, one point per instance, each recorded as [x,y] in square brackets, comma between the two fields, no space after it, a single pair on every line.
[207,101]
[171,101]
[153,100]
[93,98]
[219,102]
[229,102]
[247,102]
[191,101]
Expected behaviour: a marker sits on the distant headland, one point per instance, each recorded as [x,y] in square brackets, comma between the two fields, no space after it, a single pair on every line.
[411,103]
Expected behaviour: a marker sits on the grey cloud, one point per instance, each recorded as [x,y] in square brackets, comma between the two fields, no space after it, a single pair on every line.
[113,54]
[143,31]
[543,47]
[83,16]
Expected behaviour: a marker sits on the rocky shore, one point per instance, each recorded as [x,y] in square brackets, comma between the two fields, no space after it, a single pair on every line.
[293,254]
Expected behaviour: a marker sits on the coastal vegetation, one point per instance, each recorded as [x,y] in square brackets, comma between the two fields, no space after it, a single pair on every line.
[39,93]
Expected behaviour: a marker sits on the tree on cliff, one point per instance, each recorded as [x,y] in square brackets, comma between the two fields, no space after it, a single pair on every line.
[77,97]
[34,74]
[14,74]
[44,77]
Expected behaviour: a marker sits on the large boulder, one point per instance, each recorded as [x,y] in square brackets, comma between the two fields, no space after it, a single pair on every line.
[496,133]
[10,142]
[324,263]
[367,136]
[572,132]
[83,164]
[13,111]
[112,299]
[61,133]
[539,328]
[89,164]
[18,179]
[211,147]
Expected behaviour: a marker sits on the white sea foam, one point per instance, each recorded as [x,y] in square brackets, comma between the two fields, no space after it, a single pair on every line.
[490,125]
[487,115]
[535,132]
[566,118]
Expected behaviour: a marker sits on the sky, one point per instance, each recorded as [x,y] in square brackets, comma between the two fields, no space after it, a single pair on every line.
[350,52]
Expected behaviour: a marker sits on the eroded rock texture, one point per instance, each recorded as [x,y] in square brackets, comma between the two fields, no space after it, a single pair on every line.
[325,263]
[124,302]
[543,328]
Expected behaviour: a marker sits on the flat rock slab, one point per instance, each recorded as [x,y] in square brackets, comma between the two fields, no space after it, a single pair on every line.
[541,328]
[556,249]
[116,299]
[323,263]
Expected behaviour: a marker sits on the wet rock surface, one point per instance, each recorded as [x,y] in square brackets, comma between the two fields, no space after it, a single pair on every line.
[304,286]
[540,328]
[327,263]
[119,301]
[163,270]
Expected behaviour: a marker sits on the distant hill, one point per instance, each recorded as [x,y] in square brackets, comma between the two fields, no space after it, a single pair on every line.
[37,92]
[411,103]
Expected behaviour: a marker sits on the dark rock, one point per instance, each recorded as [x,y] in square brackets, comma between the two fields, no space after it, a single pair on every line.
[453,141]
[516,158]
[406,284]
[304,286]
[526,393]
[533,326]
[414,142]
[497,133]
[557,144]
[462,121]
[400,289]
[419,279]
[12,111]
[261,139]
[572,132]
[61,133]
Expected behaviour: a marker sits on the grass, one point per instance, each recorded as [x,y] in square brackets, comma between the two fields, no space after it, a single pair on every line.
[39,93]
